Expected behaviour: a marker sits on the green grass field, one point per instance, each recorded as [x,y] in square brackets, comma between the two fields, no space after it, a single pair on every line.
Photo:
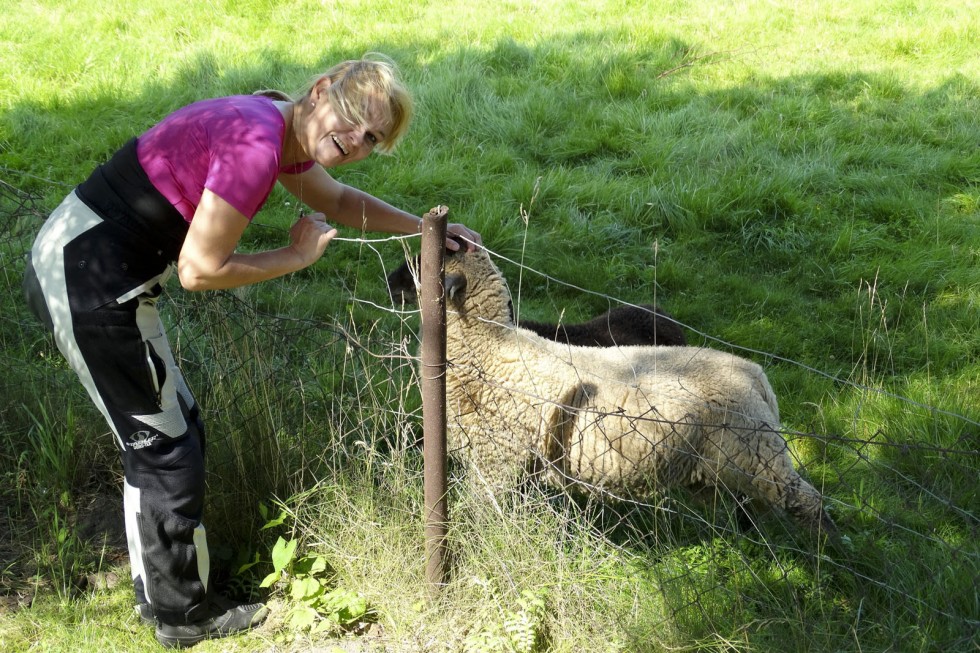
[796,182]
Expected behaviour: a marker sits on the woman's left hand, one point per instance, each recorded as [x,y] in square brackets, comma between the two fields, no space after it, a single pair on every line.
[472,238]
[455,230]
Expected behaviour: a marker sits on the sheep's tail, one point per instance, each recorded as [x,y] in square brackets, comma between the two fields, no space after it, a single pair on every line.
[751,454]
[759,464]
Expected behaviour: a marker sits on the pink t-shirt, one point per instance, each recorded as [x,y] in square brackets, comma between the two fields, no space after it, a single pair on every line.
[229,145]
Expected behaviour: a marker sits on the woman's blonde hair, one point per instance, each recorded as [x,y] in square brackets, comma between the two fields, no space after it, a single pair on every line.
[356,86]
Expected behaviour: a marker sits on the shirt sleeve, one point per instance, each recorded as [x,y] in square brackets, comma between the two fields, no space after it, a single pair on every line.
[243,165]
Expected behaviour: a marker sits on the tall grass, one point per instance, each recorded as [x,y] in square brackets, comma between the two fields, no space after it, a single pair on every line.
[796,182]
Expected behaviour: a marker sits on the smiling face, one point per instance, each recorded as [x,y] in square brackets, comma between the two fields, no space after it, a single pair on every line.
[331,138]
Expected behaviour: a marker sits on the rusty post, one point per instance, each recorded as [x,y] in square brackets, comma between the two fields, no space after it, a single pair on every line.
[433,379]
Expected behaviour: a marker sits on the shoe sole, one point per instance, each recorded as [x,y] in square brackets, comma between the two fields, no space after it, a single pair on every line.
[179,641]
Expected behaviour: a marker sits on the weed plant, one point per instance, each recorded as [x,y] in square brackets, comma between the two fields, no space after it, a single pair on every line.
[798,183]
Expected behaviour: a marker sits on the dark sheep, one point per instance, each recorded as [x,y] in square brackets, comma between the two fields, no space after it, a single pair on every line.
[621,326]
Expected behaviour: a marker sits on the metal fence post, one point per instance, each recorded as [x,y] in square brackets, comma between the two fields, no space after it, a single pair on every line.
[433,380]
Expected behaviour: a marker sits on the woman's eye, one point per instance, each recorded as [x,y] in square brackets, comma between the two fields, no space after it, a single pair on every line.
[372,138]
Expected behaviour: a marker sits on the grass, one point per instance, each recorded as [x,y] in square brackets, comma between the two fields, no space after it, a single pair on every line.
[796,182]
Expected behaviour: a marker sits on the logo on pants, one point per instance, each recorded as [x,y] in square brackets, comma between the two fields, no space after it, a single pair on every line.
[142,439]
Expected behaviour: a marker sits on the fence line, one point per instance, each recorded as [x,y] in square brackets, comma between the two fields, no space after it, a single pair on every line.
[729,345]
[839,441]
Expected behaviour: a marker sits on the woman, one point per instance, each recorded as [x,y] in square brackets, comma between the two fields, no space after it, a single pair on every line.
[184,192]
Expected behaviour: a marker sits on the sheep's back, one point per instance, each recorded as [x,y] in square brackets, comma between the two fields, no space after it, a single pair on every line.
[676,383]
[642,414]
[679,380]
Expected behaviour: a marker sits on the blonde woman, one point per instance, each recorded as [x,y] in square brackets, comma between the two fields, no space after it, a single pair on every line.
[179,197]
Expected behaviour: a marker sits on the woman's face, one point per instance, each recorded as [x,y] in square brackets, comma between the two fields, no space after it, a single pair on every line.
[332,141]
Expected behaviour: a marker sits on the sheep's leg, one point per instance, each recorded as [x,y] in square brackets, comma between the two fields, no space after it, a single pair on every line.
[480,485]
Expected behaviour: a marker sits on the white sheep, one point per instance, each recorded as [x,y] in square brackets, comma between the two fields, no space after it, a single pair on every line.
[628,420]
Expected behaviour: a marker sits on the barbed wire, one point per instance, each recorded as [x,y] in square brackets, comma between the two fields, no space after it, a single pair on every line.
[614,300]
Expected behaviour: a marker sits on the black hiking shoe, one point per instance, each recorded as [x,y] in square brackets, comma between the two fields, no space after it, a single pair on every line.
[226,618]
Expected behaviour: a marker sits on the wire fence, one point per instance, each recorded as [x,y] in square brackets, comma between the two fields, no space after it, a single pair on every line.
[286,396]
[845,463]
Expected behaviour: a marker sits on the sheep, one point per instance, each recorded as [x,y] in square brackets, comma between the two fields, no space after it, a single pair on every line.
[645,324]
[626,420]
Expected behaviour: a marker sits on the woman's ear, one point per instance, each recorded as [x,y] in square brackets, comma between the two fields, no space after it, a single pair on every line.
[319,88]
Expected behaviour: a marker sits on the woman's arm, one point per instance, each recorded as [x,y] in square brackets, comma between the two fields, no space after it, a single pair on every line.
[346,205]
[208,260]
[355,208]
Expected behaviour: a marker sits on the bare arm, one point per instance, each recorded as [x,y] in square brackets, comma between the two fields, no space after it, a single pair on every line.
[208,260]
[346,205]
[355,208]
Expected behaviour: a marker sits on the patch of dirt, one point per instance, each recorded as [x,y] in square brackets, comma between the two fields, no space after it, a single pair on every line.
[96,520]
[100,522]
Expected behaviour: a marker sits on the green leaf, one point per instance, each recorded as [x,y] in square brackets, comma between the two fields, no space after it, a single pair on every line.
[278,521]
[321,627]
[305,589]
[282,553]
[345,606]
[302,617]
[269,580]
[248,565]
[310,565]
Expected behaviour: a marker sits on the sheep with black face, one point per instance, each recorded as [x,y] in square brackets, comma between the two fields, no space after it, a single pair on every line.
[630,420]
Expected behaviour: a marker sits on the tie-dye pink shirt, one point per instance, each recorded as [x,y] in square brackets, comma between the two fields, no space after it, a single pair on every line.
[229,145]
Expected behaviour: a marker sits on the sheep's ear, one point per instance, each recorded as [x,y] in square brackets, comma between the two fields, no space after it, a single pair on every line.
[455,283]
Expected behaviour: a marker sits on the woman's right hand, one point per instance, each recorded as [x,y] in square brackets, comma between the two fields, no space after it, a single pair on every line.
[309,237]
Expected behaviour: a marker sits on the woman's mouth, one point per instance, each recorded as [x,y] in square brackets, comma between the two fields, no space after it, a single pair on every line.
[339,145]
